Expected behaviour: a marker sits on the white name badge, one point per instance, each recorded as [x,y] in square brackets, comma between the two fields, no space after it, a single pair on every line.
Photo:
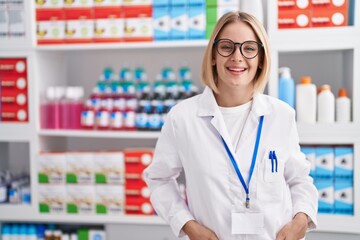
[247,223]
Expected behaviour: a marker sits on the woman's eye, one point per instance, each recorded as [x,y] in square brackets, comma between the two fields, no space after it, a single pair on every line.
[226,48]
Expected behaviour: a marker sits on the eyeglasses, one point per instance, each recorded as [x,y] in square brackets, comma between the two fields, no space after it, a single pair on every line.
[226,47]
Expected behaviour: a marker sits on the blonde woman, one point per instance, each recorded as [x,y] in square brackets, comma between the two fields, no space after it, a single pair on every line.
[246,177]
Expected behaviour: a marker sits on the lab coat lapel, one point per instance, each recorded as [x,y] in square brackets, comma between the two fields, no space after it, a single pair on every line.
[208,108]
[260,107]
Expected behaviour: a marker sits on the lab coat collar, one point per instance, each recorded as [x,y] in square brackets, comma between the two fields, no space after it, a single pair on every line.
[209,107]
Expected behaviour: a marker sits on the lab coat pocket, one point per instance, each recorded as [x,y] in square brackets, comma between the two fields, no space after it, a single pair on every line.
[272,182]
[273,166]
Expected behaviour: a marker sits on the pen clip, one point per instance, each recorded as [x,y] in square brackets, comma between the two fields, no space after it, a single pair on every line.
[276,161]
[271,157]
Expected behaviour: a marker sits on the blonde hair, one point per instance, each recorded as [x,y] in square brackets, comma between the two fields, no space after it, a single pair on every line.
[208,71]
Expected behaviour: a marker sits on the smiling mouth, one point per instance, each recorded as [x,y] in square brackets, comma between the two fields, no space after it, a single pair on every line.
[236,69]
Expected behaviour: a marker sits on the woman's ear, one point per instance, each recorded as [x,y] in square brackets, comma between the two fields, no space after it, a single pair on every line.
[213,62]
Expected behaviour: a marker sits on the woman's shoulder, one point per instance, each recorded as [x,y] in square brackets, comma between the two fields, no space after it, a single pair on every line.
[186,106]
[278,105]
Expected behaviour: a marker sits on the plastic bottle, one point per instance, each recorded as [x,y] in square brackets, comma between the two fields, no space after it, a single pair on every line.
[72,108]
[306,101]
[88,116]
[343,106]
[50,108]
[326,105]
[286,87]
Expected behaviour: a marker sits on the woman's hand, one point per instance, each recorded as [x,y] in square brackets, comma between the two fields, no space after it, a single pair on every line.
[196,231]
[295,229]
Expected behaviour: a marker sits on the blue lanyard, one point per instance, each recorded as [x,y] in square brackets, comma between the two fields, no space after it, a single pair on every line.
[246,187]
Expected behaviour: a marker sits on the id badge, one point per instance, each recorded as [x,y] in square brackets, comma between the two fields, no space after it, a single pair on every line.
[247,221]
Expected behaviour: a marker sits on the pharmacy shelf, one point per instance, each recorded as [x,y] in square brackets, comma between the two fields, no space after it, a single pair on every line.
[10,132]
[15,44]
[331,133]
[338,224]
[27,213]
[315,39]
[101,134]
[123,45]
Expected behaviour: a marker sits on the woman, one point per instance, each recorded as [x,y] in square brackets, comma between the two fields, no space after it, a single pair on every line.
[246,177]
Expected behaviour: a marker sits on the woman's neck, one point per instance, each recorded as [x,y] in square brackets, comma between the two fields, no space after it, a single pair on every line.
[234,97]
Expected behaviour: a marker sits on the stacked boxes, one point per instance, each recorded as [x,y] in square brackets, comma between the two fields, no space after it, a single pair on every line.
[109,183]
[136,191]
[50,22]
[109,168]
[81,183]
[79,21]
[85,21]
[109,23]
[138,21]
[332,170]
[13,90]
[314,13]
[179,19]
[215,9]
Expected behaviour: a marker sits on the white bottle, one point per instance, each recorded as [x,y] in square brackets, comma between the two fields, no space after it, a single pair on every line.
[254,7]
[326,105]
[306,101]
[343,106]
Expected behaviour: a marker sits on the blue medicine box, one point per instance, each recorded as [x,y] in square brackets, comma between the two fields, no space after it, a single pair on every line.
[344,201]
[326,196]
[344,163]
[197,22]
[324,163]
[179,23]
[161,23]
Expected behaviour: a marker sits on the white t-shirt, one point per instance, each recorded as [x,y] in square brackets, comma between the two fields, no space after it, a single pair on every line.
[235,118]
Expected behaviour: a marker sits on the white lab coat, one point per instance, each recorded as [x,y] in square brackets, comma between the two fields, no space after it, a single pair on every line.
[191,141]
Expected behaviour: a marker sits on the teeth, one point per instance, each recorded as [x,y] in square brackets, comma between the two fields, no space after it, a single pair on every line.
[236,69]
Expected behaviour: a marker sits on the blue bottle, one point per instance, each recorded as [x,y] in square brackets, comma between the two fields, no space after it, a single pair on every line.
[286,86]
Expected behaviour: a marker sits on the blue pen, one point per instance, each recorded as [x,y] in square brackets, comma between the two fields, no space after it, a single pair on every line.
[271,157]
[276,161]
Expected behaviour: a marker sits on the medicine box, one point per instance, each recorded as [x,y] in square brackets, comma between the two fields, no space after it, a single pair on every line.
[326,196]
[80,199]
[52,198]
[344,200]
[197,22]
[109,168]
[51,168]
[179,22]
[344,163]
[161,23]
[80,167]
[110,199]
[324,163]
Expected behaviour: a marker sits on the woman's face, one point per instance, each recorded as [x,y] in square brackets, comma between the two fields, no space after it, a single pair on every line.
[235,71]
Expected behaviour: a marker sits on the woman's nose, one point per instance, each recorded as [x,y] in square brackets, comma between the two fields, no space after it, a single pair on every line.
[237,56]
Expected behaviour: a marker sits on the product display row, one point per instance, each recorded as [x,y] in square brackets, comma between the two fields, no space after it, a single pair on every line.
[315,13]
[333,171]
[129,21]
[127,101]
[314,104]
[36,231]
[109,183]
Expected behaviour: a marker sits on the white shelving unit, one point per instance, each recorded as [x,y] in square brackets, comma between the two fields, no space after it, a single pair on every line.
[317,45]
[82,64]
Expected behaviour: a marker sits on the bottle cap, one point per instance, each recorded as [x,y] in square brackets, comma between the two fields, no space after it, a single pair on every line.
[285,72]
[305,80]
[324,87]
[342,92]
